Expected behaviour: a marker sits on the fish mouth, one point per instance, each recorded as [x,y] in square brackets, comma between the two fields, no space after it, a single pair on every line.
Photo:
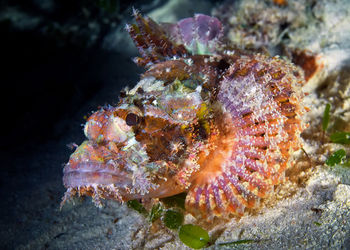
[100,180]
[97,171]
[94,165]
[94,173]
[99,175]
[95,179]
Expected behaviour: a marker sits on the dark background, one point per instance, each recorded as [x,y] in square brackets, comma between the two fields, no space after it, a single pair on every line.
[57,66]
[51,77]
[49,72]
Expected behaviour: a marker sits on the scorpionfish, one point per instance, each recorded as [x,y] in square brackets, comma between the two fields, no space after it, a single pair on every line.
[215,122]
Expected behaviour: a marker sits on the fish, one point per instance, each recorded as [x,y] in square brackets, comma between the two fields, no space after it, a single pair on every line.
[206,118]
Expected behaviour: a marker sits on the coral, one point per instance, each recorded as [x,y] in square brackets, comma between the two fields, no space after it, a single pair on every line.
[218,124]
[262,24]
[312,34]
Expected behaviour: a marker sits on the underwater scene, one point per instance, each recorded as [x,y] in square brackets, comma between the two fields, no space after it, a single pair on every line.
[176,124]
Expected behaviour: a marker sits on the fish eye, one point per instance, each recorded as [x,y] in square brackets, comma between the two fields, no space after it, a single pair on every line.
[132,119]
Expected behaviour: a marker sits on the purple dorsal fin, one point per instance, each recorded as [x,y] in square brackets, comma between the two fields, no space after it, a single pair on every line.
[200,34]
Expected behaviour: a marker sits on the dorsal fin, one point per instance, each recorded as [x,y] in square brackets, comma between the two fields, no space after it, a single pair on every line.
[152,41]
[198,35]
[201,34]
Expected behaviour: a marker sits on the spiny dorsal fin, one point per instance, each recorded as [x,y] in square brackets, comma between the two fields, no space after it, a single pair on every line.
[198,35]
[152,41]
[201,34]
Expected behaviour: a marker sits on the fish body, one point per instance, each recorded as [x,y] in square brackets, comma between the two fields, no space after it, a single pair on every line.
[217,123]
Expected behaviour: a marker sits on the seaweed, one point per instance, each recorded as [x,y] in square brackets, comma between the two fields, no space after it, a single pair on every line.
[336,158]
[340,137]
[325,120]
[194,236]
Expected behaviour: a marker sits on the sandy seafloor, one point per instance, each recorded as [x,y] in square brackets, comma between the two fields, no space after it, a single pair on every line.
[315,215]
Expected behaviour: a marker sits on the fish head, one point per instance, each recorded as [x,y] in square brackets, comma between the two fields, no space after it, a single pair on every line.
[140,147]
